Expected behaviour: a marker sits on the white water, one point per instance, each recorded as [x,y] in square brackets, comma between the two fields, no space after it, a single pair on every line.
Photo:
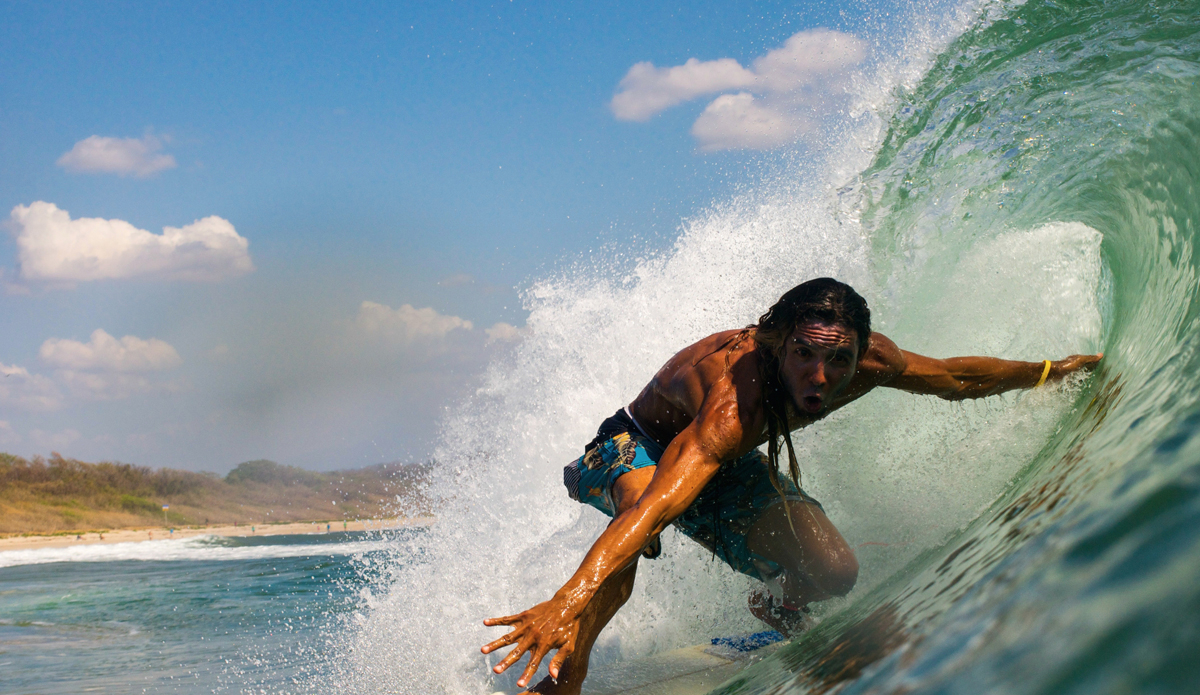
[197,548]
[894,471]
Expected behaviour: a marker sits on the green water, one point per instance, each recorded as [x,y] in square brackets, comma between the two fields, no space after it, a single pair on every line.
[1081,577]
[1032,193]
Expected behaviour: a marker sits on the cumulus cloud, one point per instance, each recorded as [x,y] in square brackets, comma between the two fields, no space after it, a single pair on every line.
[646,90]
[407,324]
[503,333]
[734,121]
[776,100]
[53,247]
[102,369]
[807,59]
[20,389]
[105,353]
[113,386]
[124,156]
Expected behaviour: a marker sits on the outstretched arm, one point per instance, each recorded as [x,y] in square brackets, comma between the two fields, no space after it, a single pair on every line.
[959,378]
[689,462]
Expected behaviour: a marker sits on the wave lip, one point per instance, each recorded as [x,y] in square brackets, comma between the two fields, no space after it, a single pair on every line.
[199,548]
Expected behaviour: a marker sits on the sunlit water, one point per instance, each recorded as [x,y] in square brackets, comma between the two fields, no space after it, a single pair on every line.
[189,616]
[1012,179]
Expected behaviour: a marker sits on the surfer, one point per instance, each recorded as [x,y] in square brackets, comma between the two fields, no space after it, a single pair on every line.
[685,452]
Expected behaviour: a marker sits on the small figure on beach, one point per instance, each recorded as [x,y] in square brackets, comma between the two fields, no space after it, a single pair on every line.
[685,452]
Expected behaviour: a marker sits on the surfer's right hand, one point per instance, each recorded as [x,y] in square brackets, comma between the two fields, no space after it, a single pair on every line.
[550,625]
[1064,367]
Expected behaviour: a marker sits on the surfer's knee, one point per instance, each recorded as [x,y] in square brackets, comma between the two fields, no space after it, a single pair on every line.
[840,574]
[628,488]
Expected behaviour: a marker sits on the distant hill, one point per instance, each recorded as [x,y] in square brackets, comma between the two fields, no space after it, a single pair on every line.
[60,494]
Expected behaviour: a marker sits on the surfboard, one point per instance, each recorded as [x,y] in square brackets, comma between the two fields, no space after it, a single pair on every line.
[689,670]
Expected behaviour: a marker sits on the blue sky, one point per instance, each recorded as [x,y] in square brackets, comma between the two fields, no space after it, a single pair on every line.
[436,155]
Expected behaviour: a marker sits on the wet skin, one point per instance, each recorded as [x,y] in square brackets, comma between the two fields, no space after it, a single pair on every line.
[705,404]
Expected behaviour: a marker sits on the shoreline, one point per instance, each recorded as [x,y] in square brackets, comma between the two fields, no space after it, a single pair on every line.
[160,533]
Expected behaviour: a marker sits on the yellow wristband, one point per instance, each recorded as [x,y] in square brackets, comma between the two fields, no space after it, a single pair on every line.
[1045,373]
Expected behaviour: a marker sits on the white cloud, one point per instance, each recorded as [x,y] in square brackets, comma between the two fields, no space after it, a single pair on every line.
[102,369]
[20,389]
[646,90]
[53,247]
[808,58]
[503,333]
[113,386]
[105,353]
[124,156]
[406,325]
[776,100]
[734,121]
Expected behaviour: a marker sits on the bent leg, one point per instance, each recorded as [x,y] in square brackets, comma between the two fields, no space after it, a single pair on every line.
[816,561]
[613,594]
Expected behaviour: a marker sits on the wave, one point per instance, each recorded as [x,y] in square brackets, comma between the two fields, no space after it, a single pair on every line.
[1019,180]
[197,548]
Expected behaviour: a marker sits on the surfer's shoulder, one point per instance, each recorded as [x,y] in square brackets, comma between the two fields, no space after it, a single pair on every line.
[883,358]
[714,348]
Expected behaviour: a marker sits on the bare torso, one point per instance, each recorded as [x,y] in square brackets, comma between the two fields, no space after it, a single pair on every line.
[672,399]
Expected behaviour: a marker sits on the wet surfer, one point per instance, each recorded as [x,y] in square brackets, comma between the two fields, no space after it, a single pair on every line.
[685,452]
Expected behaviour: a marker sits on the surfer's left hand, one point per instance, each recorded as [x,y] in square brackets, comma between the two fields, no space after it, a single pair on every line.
[545,627]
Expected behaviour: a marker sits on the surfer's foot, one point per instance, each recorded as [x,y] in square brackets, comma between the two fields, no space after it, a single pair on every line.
[788,620]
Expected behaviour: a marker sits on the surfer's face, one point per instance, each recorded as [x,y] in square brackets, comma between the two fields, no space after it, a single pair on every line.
[818,363]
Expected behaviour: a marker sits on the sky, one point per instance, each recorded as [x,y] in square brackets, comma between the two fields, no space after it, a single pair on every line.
[299,231]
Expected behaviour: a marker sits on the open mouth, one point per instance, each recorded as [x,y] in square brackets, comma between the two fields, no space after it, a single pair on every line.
[812,404]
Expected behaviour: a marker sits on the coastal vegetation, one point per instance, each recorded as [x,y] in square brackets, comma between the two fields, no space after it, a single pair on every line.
[56,494]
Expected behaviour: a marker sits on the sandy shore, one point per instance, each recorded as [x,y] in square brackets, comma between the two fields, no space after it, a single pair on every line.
[160,533]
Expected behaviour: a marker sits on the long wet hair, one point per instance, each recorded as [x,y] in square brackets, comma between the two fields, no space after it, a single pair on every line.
[823,300]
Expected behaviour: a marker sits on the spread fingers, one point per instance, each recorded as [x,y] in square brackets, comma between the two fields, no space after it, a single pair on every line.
[535,658]
[511,659]
[497,643]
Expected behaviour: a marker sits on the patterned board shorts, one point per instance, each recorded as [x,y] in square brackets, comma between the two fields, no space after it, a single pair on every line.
[718,519]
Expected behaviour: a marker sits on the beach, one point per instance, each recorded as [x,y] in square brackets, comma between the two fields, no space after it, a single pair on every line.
[160,533]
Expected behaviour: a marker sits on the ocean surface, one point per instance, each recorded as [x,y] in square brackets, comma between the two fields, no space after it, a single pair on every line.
[1016,179]
[201,615]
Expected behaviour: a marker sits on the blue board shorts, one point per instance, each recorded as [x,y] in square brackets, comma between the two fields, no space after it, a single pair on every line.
[718,519]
